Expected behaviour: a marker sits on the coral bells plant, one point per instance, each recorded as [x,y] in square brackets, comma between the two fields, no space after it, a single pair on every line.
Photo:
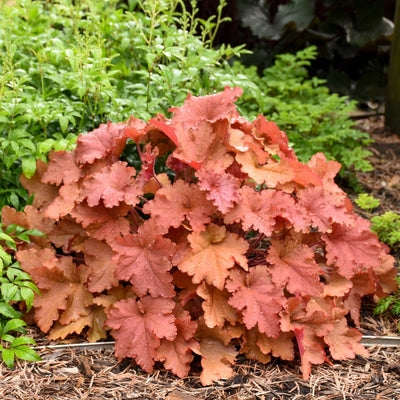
[236,247]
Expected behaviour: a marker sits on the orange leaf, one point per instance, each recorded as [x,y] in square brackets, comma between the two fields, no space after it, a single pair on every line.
[98,259]
[294,267]
[144,259]
[107,141]
[213,252]
[138,326]
[256,296]
[216,308]
[113,184]
[177,353]
[172,204]
[272,173]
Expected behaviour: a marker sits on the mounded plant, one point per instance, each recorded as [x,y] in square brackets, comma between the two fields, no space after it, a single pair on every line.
[220,243]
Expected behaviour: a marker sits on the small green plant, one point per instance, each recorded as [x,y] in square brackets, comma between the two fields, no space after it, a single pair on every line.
[16,286]
[367,202]
[387,227]
[390,304]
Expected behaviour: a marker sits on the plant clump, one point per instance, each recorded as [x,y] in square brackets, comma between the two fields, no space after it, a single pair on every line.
[232,247]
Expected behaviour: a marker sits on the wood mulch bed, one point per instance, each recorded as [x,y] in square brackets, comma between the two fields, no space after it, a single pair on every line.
[96,374]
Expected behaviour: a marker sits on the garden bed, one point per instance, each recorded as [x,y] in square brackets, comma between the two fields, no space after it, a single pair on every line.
[96,374]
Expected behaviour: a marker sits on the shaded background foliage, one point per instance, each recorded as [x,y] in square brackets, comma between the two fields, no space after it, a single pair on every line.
[353,38]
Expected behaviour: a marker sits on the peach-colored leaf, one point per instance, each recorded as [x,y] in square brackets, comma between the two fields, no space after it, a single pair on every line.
[108,140]
[113,184]
[177,354]
[261,210]
[293,266]
[216,308]
[138,326]
[351,249]
[172,204]
[256,296]
[62,168]
[98,259]
[213,253]
[222,189]
[144,259]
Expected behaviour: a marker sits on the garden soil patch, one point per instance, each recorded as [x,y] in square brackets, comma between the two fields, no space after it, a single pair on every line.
[96,374]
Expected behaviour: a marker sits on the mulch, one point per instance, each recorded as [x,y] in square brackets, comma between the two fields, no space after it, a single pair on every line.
[96,374]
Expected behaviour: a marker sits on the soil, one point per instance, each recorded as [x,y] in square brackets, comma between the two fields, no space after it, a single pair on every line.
[96,374]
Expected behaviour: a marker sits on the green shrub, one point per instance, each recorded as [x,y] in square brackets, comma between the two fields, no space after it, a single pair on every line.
[387,227]
[16,286]
[65,68]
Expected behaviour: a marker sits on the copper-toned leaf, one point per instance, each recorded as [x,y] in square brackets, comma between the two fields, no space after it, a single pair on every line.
[177,354]
[172,204]
[113,185]
[256,296]
[216,308]
[103,223]
[44,194]
[222,189]
[274,140]
[261,210]
[64,297]
[207,108]
[351,249]
[324,208]
[213,253]
[138,326]
[98,259]
[272,173]
[62,168]
[108,140]
[64,203]
[144,259]
[293,266]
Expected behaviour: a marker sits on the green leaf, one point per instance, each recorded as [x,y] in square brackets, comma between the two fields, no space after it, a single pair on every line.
[8,311]
[11,228]
[5,337]
[34,232]
[5,256]
[4,236]
[14,200]
[28,296]
[29,166]
[13,324]
[26,353]
[24,237]
[9,292]
[8,357]
[22,340]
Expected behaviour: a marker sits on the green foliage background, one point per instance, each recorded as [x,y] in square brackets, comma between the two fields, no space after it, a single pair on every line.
[66,67]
